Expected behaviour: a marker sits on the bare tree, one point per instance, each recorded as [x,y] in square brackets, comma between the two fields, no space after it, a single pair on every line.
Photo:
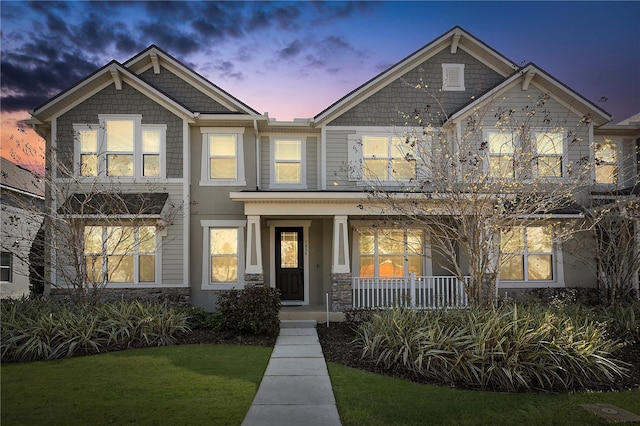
[485,187]
[95,230]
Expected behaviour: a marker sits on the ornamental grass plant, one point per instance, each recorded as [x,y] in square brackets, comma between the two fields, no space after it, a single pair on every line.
[510,348]
[34,329]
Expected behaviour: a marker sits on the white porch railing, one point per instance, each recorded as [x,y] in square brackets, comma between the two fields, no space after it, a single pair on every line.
[420,292]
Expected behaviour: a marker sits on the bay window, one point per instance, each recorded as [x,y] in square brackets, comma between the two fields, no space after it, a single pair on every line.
[120,254]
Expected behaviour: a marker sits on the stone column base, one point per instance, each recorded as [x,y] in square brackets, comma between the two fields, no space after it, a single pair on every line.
[341,295]
[253,280]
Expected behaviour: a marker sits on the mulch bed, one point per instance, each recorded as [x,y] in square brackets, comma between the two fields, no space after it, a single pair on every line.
[338,346]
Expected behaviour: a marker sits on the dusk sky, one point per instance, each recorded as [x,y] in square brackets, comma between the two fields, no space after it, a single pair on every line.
[295,59]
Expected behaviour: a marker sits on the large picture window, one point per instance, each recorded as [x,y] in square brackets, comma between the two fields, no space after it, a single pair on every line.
[120,254]
[120,146]
[528,253]
[390,252]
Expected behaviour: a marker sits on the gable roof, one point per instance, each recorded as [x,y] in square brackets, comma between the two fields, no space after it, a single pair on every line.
[454,38]
[111,73]
[153,56]
[532,74]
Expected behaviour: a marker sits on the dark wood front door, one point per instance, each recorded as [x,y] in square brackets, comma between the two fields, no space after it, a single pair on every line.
[289,264]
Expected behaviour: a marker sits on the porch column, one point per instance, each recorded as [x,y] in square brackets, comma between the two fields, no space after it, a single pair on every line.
[253,268]
[340,259]
[341,297]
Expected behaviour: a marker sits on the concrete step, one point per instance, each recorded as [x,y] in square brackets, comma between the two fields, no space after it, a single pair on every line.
[298,323]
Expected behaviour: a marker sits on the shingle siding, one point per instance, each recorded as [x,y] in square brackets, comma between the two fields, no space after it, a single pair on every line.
[182,91]
[387,106]
[125,101]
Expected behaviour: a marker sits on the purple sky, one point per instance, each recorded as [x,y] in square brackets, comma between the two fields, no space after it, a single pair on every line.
[295,59]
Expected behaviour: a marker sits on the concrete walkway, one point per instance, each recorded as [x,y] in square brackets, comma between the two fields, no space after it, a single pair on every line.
[296,389]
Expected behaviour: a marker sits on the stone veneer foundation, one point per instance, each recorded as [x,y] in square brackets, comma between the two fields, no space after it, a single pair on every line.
[341,297]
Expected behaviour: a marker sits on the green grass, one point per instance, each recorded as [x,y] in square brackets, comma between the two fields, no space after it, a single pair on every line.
[193,384]
[370,399]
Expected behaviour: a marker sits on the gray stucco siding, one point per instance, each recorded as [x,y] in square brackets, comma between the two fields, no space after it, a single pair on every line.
[125,101]
[388,106]
[182,91]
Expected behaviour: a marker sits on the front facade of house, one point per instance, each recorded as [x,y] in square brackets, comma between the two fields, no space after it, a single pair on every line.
[232,198]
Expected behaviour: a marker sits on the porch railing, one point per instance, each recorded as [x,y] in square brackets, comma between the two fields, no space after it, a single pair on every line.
[420,292]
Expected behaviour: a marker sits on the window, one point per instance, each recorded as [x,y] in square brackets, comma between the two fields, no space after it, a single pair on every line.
[288,162]
[6,267]
[549,148]
[120,254]
[120,146]
[387,158]
[453,77]
[223,254]
[390,252]
[528,253]
[222,157]
[501,155]
[606,155]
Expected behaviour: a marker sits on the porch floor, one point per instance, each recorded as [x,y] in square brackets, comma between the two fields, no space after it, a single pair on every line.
[310,312]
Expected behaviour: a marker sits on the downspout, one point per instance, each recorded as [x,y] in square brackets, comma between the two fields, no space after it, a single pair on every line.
[255,129]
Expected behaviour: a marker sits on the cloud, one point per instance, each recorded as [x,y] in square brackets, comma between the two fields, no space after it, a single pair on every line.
[292,50]
[227,70]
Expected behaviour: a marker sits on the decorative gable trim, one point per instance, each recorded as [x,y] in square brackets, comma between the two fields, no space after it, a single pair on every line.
[112,73]
[145,60]
[457,36]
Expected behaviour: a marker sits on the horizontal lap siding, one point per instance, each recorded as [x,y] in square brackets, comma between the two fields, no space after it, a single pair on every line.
[312,163]
[337,160]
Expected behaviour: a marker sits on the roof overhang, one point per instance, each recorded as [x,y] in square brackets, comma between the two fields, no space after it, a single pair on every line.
[136,205]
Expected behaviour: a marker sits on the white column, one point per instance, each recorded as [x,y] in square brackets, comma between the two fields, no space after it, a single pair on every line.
[340,258]
[254,246]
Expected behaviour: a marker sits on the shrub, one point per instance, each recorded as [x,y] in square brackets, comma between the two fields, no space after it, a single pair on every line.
[199,319]
[506,349]
[253,310]
[34,329]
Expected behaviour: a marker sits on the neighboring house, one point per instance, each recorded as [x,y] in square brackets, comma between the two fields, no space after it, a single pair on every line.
[22,204]
[281,203]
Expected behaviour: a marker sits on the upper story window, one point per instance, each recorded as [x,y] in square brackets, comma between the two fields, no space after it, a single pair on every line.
[288,162]
[529,253]
[606,156]
[222,156]
[501,155]
[549,152]
[120,146]
[453,77]
[6,267]
[387,158]
[390,252]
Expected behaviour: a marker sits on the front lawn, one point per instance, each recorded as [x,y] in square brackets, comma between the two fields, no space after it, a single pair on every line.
[193,384]
[365,398]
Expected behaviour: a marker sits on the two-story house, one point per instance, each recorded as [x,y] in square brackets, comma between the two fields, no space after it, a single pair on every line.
[289,204]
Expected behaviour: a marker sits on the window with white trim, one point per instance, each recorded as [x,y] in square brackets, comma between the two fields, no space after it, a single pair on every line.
[501,152]
[121,254]
[528,253]
[453,77]
[606,156]
[120,146]
[222,156]
[288,162]
[390,252]
[6,267]
[387,158]
[223,254]
[549,151]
